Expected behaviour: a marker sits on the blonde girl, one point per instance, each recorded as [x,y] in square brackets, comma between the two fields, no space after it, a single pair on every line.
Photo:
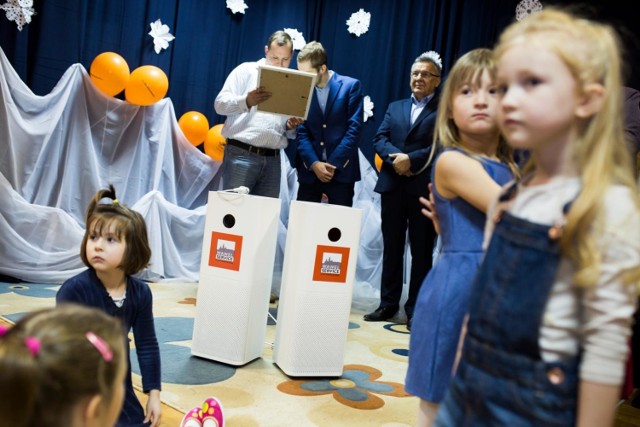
[548,329]
[468,174]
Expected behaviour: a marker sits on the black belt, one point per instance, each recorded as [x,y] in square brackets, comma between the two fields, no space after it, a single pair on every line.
[261,151]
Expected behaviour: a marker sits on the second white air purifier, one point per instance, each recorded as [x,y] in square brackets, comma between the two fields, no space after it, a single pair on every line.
[319,267]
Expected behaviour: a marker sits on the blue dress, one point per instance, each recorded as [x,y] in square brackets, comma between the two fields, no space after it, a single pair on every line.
[443,300]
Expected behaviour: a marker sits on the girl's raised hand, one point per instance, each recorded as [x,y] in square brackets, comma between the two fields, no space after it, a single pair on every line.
[429,209]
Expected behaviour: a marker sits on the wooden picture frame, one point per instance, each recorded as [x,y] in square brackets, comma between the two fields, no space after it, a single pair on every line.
[291,90]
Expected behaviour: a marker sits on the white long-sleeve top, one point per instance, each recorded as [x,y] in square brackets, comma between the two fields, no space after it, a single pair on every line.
[608,305]
[248,124]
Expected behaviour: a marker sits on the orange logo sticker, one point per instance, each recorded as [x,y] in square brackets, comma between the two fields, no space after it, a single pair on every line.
[225,251]
[331,264]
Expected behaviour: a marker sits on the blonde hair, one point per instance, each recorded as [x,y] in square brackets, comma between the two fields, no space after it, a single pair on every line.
[42,385]
[591,52]
[469,68]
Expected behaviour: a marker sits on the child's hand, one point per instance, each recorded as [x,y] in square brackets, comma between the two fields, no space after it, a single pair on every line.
[154,408]
[429,209]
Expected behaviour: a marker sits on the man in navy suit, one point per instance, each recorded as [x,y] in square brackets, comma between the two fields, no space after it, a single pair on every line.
[327,142]
[404,141]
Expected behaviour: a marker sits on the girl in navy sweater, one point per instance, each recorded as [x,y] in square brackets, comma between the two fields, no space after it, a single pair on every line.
[115,246]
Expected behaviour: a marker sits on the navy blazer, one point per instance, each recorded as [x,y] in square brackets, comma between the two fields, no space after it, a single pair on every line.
[396,135]
[337,131]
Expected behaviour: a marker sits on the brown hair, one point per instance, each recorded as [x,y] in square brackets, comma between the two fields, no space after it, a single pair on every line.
[129,225]
[314,53]
[42,388]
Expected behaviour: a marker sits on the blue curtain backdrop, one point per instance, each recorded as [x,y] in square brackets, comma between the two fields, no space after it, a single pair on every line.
[211,41]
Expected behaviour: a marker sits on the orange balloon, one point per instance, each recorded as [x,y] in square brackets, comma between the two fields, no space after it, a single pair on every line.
[378,161]
[195,126]
[147,85]
[109,72]
[214,144]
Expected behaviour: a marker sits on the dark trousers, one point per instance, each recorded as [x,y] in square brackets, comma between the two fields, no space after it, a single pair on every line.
[400,211]
[338,193]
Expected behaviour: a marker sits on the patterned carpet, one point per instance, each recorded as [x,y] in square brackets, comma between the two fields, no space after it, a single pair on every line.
[370,391]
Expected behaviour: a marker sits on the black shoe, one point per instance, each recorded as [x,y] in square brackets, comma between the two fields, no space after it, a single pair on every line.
[381,314]
[409,323]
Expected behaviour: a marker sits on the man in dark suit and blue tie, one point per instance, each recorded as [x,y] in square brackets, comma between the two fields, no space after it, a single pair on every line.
[403,141]
[327,142]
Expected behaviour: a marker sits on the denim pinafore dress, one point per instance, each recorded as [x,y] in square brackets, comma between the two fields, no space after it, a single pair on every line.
[501,379]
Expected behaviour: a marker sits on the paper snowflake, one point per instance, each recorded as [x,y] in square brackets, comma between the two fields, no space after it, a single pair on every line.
[161,35]
[358,23]
[237,6]
[368,107]
[19,11]
[526,8]
[297,37]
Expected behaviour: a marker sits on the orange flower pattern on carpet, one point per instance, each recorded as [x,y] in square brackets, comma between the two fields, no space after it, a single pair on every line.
[356,388]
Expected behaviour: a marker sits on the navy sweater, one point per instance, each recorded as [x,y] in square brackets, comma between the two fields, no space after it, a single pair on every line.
[136,314]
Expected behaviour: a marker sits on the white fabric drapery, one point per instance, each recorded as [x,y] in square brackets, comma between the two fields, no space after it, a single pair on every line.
[57,150]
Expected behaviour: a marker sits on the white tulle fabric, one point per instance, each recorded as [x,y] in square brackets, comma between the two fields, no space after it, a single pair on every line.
[57,150]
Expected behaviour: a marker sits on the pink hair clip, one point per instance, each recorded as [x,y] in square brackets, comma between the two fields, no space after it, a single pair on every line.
[3,330]
[33,344]
[100,345]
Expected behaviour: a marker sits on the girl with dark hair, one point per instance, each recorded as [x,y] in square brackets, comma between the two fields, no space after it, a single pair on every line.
[115,246]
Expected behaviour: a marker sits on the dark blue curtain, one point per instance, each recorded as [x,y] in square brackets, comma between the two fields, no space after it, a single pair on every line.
[399,32]
[211,41]
[619,15]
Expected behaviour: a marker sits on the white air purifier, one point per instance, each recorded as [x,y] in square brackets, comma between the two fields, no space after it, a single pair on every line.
[236,269]
[319,268]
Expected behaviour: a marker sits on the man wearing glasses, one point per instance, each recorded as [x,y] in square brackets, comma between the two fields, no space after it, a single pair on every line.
[254,139]
[403,141]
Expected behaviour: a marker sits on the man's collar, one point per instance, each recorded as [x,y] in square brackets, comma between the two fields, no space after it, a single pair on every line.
[330,73]
[424,100]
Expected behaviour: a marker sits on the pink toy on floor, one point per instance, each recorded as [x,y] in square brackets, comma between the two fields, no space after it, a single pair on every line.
[209,415]
[212,413]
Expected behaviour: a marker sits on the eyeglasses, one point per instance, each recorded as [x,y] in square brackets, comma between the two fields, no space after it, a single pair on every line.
[423,74]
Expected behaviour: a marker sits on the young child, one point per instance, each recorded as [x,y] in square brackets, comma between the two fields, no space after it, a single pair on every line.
[62,367]
[468,174]
[549,324]
[114,247]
